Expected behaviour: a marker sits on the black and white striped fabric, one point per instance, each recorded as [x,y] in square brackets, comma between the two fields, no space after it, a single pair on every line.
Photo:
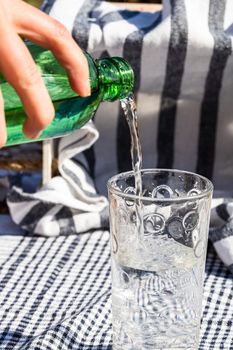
[55,294]
[68,203]
[221,230]
[183,60]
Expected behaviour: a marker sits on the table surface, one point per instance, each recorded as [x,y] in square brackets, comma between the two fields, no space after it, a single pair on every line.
[55,294]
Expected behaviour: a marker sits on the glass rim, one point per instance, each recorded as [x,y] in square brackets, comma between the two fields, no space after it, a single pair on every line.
[204,193]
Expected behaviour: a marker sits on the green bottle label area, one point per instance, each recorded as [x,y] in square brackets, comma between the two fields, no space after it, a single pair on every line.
[71,115]
[110,79]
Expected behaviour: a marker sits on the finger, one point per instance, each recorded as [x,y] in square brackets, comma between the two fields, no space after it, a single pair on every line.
[21,72]
[48,32]
[3,133]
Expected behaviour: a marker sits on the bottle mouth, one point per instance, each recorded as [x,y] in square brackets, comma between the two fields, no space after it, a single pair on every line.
[116,78]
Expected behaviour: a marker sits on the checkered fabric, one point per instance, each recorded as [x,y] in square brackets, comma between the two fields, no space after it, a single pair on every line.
[68,203]
[55,295]
[221,229]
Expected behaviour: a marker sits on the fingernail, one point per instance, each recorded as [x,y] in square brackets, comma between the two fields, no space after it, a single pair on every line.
[35,135]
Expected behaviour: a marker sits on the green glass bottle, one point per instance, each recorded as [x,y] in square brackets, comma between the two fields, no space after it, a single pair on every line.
[110,79]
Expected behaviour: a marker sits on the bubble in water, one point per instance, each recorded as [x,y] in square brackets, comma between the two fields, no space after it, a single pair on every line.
[162,191]
[154,223]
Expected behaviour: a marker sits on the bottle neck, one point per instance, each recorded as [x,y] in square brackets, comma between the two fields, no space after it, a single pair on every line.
[116,78]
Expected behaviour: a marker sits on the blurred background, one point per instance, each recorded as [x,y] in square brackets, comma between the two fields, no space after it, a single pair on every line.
[38,2]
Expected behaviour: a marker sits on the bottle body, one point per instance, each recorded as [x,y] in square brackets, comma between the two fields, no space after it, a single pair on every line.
[110,79]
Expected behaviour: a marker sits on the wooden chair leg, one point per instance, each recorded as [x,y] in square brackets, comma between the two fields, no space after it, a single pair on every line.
[47,155]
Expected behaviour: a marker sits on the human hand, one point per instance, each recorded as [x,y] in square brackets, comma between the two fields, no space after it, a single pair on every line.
[19,69]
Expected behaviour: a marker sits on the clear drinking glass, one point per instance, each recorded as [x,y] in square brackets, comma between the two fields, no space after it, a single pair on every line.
[158,266]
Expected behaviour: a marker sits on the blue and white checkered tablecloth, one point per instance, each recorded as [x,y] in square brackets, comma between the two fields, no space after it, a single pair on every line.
[55,294]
